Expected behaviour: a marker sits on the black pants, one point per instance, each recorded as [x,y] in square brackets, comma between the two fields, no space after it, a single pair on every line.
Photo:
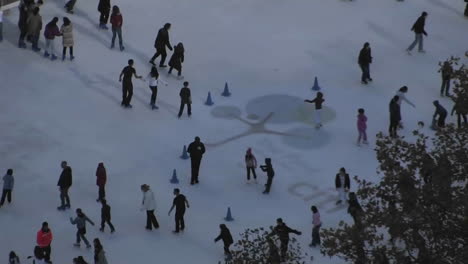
[459,118]
[253,172]
[23,33]
[64,198]
[101,193]
[445,87]
[268,184]
[179,71]
[127,93]
[284,247]
[70,5]
[466,10]
[104,16]
[226,249]
[392,130]
[80,235]
[316,235]
[160,51]
[108,221]
[45,253]
[441,120]
[5,194]
[179,221]
[195,169]
[181,109]
[365,72]
[64,51]
[154,94]
[151,220]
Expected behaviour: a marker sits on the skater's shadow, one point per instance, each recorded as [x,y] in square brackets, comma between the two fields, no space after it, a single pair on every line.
[383,33]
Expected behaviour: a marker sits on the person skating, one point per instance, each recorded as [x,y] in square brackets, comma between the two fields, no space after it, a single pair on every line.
[34,28]
[148,204]
[440,113]
[79,260]
[354,208]
[419,30]
[364,61]
[80,222]
[318,101]
[127,86]
[106,216]
[177,59]
[361,126]
[51,31]
[180,203]
[104,8]
[22,22]
[8,183]
[462,111]
[196,149]
[185,99]
[116,21]
[342,185]
[251,164]
[99,253]
[402,97]
[69,6]
[226,236]
[13,258]
[44,240]
[395,116]
[161,42]
[101,180]
[154,80]
[316,224]
[447,72]
[67,38]
[64,184]
[268,168]
[282,231]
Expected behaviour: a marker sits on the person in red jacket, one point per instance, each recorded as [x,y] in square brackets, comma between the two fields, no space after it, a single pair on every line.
[116,21]
[101,178]
[44,239]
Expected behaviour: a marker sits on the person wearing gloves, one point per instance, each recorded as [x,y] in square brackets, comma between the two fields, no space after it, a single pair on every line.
[251,164]
[419,30]
[342,185]
[8,183]
[154,81]
[226,236]
[80,222]
[149,205]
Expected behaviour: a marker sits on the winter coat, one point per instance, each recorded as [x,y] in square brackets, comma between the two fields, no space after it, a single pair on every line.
[339,184]
[51,31]
[282,231]
[34,25]
[100,257]
[365,57]
[459,108]
[226,236]
[354,207]
[44,239]
[395,114]
[8,182]
[162,39]
[361,122]
[185,95]
[250,161]
[269,170]
[67,35]
[101,176]
[440,111]
[65,180]
[80,221]
[447,71]
[106,212]
[418,26]
[148,203]
[196,149]
[177,58]
[104,6]
[116,20]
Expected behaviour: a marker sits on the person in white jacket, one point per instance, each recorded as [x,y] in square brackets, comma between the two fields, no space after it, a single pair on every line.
[149,205]
[402,97]
[154,81]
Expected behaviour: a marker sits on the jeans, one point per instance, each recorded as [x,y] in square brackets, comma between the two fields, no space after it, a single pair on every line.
[127,92]
[1,31]
[151,220]
[64,198]
[108,221]
[154,94]
[195,162]
[365,72]
[316,235]
[181,109]
[445,87]
[117,31]
[160,51]
[50,47]
[418,39]
[253,172]
[362,135]
[80,235]
[179,221]
[5,194]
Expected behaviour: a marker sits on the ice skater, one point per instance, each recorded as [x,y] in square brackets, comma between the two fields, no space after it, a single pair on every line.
[318,101]
[177,59]
[440,114]
[44,240]
[401,93]
[316,224]
[154,81]
[342,185]
[185,99]
[364,61]
[251,164]
[282,231]
[419,31]
[354,208]
[447,72]
[462,111]
[51,31]
[99,253]
[106,216]
[67,38]
[196,149]
[8,183]
[127,86]
[161,42]
[362,127]
[180,203]
[104,8]
[226,236]
[395,116]
[116,20]
[34,28]
[148,204]
[64,184]
[101,179]
[80,222]
[268,168]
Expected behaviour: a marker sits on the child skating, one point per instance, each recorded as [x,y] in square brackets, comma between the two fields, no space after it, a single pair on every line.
[362,126]
[318,101]
[80,222]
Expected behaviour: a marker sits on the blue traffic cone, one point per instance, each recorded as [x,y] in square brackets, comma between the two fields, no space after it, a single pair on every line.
[226,92]
[184,153]
[316,86]
[208,100]
[229,216]
[174,179]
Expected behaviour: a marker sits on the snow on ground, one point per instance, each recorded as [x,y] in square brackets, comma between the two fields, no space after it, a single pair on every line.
[268,51]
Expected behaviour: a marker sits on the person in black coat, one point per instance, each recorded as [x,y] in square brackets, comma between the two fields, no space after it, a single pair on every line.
[23,22]
[161,42]
[365,59]
[441,113]
[64,184]
[177,59]
[419,30]
[354,208]
[282,231]
[342,184]
[106,216]
[395,116]
[225,235]
[196,149]
[462,110]
[185,99]
[466,8]
[268,168]
[127,86]
[104,9]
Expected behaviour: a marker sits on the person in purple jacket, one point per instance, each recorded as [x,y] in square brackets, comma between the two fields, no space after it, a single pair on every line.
[362,126]
[51,31]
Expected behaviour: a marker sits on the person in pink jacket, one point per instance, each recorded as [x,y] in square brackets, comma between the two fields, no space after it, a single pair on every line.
[251,164]
[361,126]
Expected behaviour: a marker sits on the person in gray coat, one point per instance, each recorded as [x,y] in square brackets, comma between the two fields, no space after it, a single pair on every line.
[80,222]
[34,23]
[8,182]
